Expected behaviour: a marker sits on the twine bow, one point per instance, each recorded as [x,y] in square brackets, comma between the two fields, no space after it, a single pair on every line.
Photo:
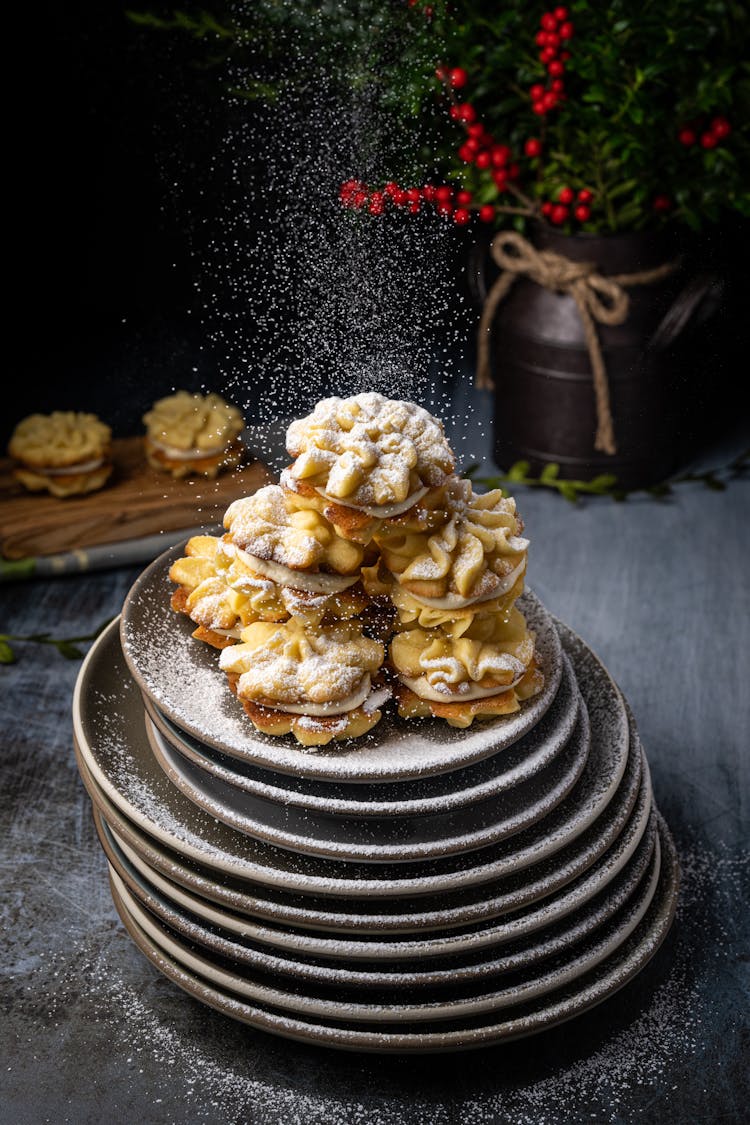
[600,300]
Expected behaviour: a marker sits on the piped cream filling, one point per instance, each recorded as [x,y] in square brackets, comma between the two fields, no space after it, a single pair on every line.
[334,707]
[236,633]
[300,580]
[424,689]
[378,511]
[84,467]
[186,454]
[455,601]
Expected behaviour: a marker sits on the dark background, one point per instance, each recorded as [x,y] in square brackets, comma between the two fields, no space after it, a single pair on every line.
[101,274]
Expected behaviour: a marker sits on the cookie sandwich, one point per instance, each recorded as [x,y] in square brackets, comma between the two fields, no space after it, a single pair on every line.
[64,453]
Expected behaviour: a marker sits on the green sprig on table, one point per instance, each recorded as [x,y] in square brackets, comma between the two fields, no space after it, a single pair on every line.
[606,483]
[66,646]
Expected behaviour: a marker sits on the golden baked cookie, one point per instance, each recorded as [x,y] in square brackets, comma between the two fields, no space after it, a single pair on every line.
[294,547]
[466,661]
[65,453]
[369,452]
[193,434]
[296,677]
[478,554]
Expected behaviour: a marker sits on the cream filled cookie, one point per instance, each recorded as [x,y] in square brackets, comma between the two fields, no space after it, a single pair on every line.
[474,667]
[65,453]
[193,434]
[478,554]
[374,455]
[315,682]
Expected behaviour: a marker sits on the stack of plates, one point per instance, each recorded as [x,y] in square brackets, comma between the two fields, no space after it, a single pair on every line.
[423,889]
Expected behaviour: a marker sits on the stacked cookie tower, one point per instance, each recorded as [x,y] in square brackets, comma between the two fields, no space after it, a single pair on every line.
[368,537]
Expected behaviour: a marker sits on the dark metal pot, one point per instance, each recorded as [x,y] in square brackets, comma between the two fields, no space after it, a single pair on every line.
[544,397]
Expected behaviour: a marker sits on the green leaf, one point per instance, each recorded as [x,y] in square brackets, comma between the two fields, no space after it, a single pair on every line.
[68,650]
[7,655]
[550,472]
[518,471]
[605,482]
[568,491]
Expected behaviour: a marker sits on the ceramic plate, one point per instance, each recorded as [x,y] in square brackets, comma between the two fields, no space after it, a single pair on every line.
[396,1006]
[529,936]
[566,1001]
[438,793]
[117,756]
[615,834]
[182,677]
[376,839]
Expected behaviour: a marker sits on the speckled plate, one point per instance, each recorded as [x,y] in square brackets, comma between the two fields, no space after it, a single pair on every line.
[574,989]
[438,793]
[580,871]
[182,678]
[588,900]
[380,839]
[116,754]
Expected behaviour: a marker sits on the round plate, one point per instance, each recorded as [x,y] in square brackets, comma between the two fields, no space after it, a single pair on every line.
[576,912]
[566,1001]
[182,677]
[389,1006]
[615,834]
[580,870]
[117,757]
[379,840]
[424,795]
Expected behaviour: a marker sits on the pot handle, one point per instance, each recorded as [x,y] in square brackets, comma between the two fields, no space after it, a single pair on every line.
[705,289]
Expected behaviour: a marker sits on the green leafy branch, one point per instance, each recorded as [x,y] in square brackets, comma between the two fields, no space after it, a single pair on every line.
[606,483]
[66,646]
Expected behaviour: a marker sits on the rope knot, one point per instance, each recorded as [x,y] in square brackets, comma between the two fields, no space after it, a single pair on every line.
[599,299]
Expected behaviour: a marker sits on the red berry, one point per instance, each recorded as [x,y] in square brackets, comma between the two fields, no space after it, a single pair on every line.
[413,195]
[473,144]
[483,159]
[661,203]
[547,208]
[558,214]
[500,155]
[455,112]
[541,38]
[558,85]
[536,92]
[564,56]
[428,193]
[466,153]
[457,77]
[461,216]
[560,14]
[444,193]
[390,188]
[565,31]
[463,197]
[359,199]
[720,128]
[582,213]
[709,140]
[514,172]
[377,203]
[549,101]
[501,179]
[556,69]
[476,130]
[413,208]
[687,137]
[539,108]
[487,213]
[566,195]
[444,208]
[548,21]
[467,113]
[429,12]
[585,196]
[553,40]
[439,73]
[533,147]
[547,55]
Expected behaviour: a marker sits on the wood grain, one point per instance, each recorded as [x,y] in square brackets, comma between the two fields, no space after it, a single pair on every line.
[137,501]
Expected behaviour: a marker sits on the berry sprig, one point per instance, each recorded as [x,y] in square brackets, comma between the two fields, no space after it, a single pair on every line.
[708,137]
[563,210]
[555,32]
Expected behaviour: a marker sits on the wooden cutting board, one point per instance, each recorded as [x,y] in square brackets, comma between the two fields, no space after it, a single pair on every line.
[136,501]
